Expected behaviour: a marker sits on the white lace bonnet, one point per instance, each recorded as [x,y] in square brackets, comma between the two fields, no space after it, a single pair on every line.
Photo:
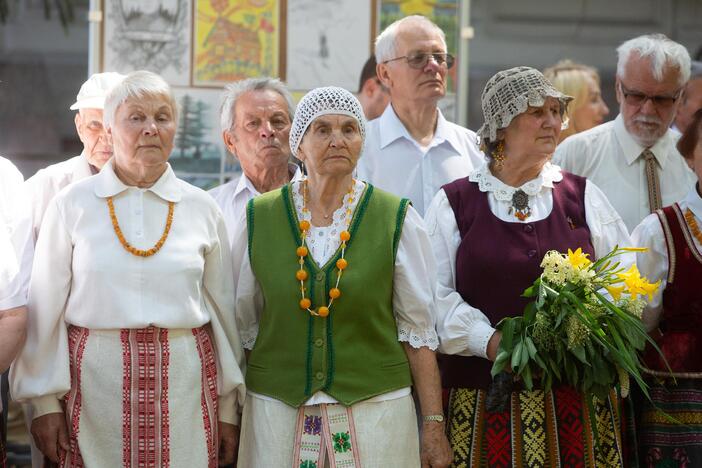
[323,101]
[509,92]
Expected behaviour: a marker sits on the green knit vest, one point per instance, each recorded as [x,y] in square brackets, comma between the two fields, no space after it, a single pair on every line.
[353,354]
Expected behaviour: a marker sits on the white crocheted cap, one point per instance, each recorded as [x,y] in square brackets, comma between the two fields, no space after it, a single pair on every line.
[509,93]
[323,101]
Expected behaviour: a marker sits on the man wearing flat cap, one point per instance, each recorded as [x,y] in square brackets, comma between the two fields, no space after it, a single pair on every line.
[96,151]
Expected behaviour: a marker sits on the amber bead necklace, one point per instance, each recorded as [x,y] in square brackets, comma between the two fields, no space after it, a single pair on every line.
[302,251]
[127,246]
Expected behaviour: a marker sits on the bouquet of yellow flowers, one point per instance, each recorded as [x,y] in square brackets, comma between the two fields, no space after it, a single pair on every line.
[573,332]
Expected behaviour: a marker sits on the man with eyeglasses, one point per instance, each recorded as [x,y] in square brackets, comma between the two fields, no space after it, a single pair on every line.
[411,149]
[372,94]
[633,159]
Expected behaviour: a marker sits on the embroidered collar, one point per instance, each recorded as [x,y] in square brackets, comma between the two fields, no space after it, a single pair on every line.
[632,150]
[487,182]
[108,184]
[391,128]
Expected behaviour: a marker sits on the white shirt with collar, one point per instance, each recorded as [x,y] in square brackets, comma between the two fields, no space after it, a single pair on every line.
[653,264]
[609,156]
[393,161]
[83,276]
[46,183]
[15,238]
[464,329]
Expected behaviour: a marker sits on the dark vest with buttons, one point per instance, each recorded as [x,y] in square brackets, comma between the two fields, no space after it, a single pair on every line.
[496,261]
[681,322]
[353,354]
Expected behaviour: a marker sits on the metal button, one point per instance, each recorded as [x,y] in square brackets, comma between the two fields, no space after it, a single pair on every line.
[319,376]
[528,228]
[318,342]
[531,253]
[320,276]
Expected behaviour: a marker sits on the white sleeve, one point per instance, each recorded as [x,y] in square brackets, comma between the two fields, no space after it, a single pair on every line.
[217,284]
[607,229]
[413,285]
[653,264]
[41,371]
[249,296]
[462,329]
[16,252]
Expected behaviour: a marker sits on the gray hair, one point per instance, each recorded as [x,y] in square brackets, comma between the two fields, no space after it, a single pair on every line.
[233,91]
[137,85]
[662,52]
[386,42]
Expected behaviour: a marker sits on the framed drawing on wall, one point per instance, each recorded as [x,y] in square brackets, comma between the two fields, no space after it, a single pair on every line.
[328,42]
[147,35]
[237,40]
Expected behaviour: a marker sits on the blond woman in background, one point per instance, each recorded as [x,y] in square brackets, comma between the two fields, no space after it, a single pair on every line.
[587,109]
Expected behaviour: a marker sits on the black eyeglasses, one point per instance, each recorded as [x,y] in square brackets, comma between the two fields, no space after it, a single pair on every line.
[420,60]
[635,98]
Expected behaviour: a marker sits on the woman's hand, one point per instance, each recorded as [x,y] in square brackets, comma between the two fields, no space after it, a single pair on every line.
[51,435]
[435,451]
[493,345]
[228,442]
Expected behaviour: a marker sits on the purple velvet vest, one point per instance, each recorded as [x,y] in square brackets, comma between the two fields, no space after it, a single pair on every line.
[681,323]
[496,261]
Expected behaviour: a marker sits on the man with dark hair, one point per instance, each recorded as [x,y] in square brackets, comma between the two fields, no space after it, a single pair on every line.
[372,94]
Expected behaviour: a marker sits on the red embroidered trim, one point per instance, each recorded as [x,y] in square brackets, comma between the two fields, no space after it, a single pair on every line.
[209,392]
[77,339]
[145,423]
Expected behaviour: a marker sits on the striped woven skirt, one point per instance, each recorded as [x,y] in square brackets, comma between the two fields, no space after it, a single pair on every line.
[142,398]
[539,429]
[666,443]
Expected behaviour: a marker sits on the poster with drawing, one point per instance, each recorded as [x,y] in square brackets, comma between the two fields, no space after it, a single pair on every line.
[199,155]
[235,40]
[148,35]
[327,42]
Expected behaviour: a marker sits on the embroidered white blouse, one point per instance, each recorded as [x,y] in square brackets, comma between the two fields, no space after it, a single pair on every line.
[463,329]
[413,288]
[653,264]
[83,276]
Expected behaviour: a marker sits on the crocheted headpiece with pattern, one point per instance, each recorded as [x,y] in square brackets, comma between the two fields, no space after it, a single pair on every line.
[323,101]
[510,92]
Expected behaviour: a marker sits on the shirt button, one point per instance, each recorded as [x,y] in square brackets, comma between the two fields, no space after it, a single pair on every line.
[137,212]
[528,228]
[318,342]
[320,276]
[319,376]
[531,253]
[138,233]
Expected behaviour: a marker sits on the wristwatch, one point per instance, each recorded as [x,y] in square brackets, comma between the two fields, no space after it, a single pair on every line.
[434,417]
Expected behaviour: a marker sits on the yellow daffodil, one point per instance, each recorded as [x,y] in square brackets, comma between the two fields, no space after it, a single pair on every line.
[636,285]
[615,291]
[578,260]
[634,249]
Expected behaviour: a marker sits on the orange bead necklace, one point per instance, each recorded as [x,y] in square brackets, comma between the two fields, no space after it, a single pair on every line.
[127,246]
[302,251]
[692,223]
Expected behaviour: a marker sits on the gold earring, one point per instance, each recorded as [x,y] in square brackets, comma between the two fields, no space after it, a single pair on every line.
[498,156]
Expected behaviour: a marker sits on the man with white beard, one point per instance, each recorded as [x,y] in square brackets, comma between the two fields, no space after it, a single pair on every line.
[633,159]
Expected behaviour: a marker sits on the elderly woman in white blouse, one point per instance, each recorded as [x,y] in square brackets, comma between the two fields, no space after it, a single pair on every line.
[132,354]
[334,302]
[490,232]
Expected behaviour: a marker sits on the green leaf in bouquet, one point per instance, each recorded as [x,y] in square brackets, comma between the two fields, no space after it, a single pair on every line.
[507,326]
[525,355]
[529,313]
[530,347]
[500,363]
[526,376]
[532,290]
[516,355]
[579,352]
